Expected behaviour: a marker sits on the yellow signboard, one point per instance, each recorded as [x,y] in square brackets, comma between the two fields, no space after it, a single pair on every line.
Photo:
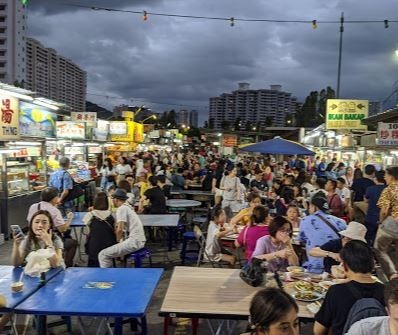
[346,114]
[128,137]
[138,132]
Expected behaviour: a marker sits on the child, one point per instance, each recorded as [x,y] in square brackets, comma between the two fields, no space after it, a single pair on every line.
[216,230]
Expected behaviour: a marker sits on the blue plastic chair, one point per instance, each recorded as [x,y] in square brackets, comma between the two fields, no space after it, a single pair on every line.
[188,254]
[139,255]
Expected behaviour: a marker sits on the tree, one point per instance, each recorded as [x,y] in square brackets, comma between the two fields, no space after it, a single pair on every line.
[238,123]
[248,126]
[225,124]
[206,124]
[269,121]
[211,123]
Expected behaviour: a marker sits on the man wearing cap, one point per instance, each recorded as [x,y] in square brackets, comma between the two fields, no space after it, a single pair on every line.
[317,229]
[330,250]
[129,231]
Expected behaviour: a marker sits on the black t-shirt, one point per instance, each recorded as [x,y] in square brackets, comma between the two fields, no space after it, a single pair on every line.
[166,191]
[339,300]
[359,186]
[157,200]
[260,185]
[218,174]
[331,246]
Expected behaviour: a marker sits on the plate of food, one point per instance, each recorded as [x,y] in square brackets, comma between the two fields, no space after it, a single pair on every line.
[296,271]
[307,296]
[303,286]
[326,284]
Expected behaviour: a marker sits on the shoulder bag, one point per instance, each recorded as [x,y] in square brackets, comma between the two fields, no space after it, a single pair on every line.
[330,225]
[73,193]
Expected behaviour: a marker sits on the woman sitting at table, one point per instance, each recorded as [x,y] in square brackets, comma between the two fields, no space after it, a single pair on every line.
[257,227]
[276,248]
[101,226]
[273,312]
[243,217]
[293,215]
[40,236]
[217,229]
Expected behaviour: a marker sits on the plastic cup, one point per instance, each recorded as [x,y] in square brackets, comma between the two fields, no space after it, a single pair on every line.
[17,286]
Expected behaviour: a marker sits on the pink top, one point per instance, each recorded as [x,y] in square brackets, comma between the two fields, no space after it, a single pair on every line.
[252,235]
[46,206]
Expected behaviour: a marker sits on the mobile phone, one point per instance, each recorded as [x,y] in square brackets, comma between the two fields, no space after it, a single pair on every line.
[17,230]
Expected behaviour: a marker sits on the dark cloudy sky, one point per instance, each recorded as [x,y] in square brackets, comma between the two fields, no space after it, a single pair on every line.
[185,61]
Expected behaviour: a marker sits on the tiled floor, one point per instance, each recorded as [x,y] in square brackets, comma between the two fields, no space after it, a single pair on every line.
[155,323]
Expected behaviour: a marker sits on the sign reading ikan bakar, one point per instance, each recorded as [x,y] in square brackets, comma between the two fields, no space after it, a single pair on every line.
[70,129]
[346,114]
[9,121]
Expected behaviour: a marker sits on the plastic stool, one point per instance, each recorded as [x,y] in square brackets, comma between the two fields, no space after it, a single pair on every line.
[187,237]
[139,255]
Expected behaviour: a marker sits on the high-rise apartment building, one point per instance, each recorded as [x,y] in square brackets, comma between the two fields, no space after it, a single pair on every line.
[12,41]
[193,118]
[54,77]
[264,106]
[188,118]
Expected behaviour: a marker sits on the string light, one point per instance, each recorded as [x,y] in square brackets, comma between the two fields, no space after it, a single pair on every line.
[232,20]
[145,15]
[314,24]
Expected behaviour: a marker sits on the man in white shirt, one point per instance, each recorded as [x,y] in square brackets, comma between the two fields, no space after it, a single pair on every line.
[343,191]
[129,231]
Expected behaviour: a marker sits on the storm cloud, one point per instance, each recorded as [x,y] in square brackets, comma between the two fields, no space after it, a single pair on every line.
[185,61]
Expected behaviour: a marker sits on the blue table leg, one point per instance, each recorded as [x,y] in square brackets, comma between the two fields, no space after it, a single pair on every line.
[118,326]
[170,232]
[143,326]
[42,325]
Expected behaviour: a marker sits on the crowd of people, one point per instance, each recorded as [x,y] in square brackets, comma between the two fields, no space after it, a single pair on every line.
[341,216]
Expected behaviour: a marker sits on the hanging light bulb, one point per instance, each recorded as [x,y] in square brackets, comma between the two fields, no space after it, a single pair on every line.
[232,21]
[386,25]
[314,24]
[24,2]
[145,15]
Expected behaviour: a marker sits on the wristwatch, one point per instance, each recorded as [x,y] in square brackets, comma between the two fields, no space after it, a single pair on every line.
[327,254]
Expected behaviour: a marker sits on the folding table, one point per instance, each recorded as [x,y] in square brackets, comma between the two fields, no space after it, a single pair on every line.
[66,295]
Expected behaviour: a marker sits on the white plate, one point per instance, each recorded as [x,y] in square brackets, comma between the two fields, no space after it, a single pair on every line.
[326,284]
[316,297]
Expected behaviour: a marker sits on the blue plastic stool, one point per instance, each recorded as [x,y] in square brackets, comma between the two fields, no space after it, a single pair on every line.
[188,254]
[139,255]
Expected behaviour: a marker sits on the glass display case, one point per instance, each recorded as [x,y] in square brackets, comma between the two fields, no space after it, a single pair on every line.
[17,178]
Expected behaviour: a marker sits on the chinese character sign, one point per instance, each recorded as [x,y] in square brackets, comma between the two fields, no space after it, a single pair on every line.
[9,121]
[70,129]
[346,114]
[387,133]
[118,128]
[89,117]
[36,121]
[128,136]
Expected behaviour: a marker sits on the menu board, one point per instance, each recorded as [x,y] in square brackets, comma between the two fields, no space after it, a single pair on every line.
[36,121]
[118,128]
[70,129]
[128,137]
[101,131]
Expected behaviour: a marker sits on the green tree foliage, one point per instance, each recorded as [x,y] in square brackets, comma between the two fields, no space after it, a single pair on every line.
[313,111]
[211,123]
[225,125]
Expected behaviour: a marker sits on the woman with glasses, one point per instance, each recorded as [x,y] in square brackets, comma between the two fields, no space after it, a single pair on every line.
[273,312]
[276,248]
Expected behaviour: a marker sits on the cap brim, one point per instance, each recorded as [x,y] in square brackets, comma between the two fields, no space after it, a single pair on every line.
[344,233]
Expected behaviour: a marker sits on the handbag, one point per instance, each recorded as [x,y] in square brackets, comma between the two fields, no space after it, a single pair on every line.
[253,273]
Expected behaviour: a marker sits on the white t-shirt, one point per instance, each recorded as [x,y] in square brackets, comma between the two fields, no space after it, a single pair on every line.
[135,228]
[377,325]
[123,169]
[344,194]
[213,248]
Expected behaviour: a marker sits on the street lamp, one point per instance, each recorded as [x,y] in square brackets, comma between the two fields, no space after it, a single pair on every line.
[149,117]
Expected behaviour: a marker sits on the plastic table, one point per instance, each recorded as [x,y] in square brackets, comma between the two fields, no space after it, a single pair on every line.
[66,295]
[182,203]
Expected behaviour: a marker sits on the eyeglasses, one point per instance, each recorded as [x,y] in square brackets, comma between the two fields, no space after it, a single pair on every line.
[287,231]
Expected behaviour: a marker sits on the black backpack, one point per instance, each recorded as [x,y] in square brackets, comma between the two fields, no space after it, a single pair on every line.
[362,309]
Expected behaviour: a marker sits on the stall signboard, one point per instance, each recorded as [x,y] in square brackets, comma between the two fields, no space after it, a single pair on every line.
[71,129]
[101,131]
[9,121]
[387,133]
[73,151]
[94,150]
[89,117]
[28,152]
[346,114]
[154,134]
[128,137]
[118,128]
[229,141]
[138,132]
[36,121]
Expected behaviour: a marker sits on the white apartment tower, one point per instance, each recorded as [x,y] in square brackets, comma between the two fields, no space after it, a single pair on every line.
[12,41]
[55,77]
[263,106]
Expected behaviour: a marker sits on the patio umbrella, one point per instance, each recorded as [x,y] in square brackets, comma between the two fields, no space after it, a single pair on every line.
[279,146]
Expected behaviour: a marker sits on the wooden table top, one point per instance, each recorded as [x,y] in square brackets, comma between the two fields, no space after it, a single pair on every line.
[211,293]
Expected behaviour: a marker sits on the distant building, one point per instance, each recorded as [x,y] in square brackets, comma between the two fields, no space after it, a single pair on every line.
[12,42]
[54,77]
[265,107]
[188,118]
